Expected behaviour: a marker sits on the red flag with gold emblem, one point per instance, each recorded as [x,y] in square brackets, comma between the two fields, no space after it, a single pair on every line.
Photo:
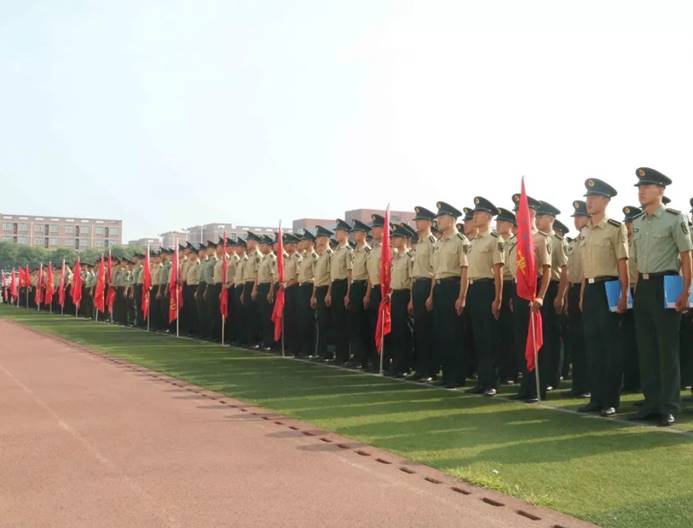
[527,278]
[50,290]
[224,293]
[278,310]
[77,284]
[384,323]
[174,290]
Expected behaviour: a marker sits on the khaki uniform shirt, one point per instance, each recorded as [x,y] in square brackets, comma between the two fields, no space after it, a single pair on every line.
[542,253]
[485,251]
[207,269]
[559,255]
[373,264]
[358,263]
[165,274]
[139,274]
[232,269]
[251,265]
[632,266]
[240,270]
[658,239]
[291,263]
[450,255]
[192,272]
[423,258]
[575,274]
[508,244]
[183,266]
[217,269]
[338,262]
[306,267]
[402,267]
[322,268]
[267,271]
[602,247]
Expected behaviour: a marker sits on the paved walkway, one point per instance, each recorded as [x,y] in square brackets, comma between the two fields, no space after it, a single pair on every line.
[91,441]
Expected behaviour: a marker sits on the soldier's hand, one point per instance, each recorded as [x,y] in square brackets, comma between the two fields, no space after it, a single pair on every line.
[682,303]
[429,303]
[313,302]
[537,303]
[622,305]
[459,305]
[346,301]
[253,295]
[511,304]
[270,297]
[410,308]
[366,302]
[495,309]
[328,300]
[558,304]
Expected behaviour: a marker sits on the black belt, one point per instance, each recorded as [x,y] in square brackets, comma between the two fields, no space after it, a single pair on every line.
[596,280]
[447,279]
[395,290]
[481,280]
[657,275]
[421,279]
[306,283]
[360,281]
[338,280]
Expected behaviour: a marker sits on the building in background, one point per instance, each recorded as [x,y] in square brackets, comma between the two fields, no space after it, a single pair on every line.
[169,239]
[212,232]
[55,231]
[309,223]
[153,243]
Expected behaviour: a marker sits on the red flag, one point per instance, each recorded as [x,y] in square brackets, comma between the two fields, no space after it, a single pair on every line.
[50,278]
[61,287]
[38,296]
[27,278]
[527,278]
[14,291]
[146,285]
[174,290]
[278,310]
[77,284]
[384,323]
[100,287]
[110,296]
[224,293]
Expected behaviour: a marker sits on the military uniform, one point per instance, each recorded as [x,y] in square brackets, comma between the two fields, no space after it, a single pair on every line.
[486,253]
[338,291]
[449,260]
[292,261]
[575,338]
[192,282]
[629,349]
[508,366]
[658,240]
[251,263]
[400,342]
[421,290]
[374,293]
[306,313]
[206,311]
[359,326]
[266,277]
[236,321]
[321,285]
[214,288]
[603,246]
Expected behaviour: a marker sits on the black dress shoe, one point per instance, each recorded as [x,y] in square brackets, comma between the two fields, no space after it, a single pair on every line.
[666,420]
[590,407]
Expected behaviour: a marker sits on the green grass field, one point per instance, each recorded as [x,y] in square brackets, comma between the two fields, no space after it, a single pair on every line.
[609,472]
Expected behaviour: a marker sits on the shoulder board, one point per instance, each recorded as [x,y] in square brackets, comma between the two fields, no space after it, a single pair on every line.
[329,251]
[494,234]
[613,222]
[559,237]
[673,211]
[461,237]
[431,239]
[367,249]
[543,234]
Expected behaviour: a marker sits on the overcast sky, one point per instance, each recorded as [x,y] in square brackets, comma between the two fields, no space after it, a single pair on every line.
[173,113]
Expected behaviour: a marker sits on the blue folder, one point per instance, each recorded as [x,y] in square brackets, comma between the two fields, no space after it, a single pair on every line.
[673,284]
[613,292]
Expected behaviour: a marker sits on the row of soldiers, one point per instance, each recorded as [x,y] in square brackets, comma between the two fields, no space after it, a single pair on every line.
[456,314]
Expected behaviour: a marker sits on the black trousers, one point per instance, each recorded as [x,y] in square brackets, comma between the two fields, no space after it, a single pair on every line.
[686,354]
[213,292]
[576,341]
[528,384]
[448,330]
[236,322]
[629,353]
[306,321]
[400,342]
[426,366]
[658,348]
[603,346]
[292,343]
[340,320]
[264,314]
[201,311]
[551,352]
[480,296]
[154,309]
[508,365]
[359,326]
[373,304]
[324,314]
[250,316]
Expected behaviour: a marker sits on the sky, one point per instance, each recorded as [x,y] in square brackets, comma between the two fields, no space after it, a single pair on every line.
[173,113]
